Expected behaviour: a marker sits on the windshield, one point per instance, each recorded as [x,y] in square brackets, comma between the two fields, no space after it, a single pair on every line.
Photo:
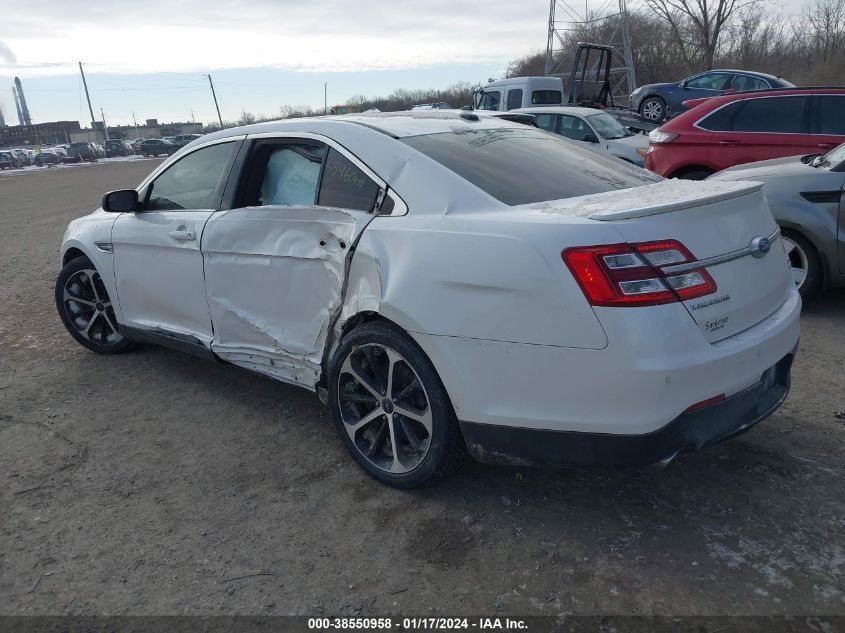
[607,126]
[523,165]
[834,159]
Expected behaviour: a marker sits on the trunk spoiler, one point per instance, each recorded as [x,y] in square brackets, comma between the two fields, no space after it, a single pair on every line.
[661,197]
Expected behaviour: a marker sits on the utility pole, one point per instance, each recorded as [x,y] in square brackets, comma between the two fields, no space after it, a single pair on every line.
[193,120]
[88,97]
[135,122]
[213,94]
[105,127]
[326,98]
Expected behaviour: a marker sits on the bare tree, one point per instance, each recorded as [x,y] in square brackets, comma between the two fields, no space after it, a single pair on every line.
[697,25]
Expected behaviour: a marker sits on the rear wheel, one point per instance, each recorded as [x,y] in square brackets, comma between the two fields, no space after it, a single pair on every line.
[692,173]
[86,310]
[390,408]
[653,109]
[803,262]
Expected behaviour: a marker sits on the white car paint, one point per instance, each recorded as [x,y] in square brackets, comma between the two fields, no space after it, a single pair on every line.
[624,148]
[479,285]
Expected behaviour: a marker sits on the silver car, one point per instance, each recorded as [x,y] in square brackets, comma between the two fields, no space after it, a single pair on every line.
[805,195]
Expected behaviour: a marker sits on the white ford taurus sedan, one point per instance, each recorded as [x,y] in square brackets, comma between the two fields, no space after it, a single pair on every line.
[446,283]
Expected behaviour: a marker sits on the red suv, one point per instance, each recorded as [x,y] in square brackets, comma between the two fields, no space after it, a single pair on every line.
[720,132]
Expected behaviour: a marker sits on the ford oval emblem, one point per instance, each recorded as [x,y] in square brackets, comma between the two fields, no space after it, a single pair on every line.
[760,246]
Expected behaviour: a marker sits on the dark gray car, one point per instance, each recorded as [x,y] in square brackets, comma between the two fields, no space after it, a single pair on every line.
[654,102]
[805,195]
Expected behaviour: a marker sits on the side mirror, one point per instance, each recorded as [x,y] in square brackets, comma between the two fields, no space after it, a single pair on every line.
[590,138]
[120,201]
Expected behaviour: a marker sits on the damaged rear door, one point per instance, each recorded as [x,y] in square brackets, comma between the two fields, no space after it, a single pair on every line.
[275,263]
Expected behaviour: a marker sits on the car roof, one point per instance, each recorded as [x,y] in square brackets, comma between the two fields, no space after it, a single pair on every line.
[577,110]
[395,124]
[744,72]
[750,94]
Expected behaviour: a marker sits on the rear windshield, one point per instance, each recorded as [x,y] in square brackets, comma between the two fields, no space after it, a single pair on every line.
[523,165]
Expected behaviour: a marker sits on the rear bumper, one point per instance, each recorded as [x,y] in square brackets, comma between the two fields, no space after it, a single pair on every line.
[493,444]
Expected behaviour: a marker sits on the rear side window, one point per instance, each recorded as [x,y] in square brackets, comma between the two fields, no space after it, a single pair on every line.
[291,175]
[345,186]
[546,97]
[546,122]
[523,165]
[514,98]
[830,119]
[771,114]
[742,83]
[721,119]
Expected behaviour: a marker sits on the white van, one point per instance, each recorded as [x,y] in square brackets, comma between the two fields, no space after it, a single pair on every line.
[519,92]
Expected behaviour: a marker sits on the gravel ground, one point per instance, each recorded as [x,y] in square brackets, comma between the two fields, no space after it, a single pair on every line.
[156,483]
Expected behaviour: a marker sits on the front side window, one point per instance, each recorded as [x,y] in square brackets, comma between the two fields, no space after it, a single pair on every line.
[710,81]
[523,165]
[546,97]
[782,115]
[607,126]
[743,83]
[345,186]
[490,100]
[573,127]
[514,98]
[192,182]
[830,119]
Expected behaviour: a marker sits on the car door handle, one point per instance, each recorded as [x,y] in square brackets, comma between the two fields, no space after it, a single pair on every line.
[183,236]
[826,145]
[730,143]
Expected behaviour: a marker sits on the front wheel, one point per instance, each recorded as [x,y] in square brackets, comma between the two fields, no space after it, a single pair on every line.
[390,408]
[86,310]
[803,263]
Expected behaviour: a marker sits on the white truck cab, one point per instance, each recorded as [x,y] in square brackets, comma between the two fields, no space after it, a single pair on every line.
[519,92]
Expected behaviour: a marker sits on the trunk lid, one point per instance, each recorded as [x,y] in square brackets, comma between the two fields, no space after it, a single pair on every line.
[720,223]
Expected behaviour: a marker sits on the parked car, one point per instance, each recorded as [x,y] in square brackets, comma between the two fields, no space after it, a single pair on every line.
[445,280]
[48,157]
[743,128]
[655,102]
[183,139]
[116,147]
[82,151]
[805,195]
[593,128]
[24,156]
[156,147]
[8,161]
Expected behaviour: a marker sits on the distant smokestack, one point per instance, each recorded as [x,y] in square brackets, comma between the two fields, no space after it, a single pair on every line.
[2,120]
[24,110]
[17,106]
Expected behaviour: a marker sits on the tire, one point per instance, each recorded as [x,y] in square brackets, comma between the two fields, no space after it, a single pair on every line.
[379,359]
[804,263]
[692,174]
[85,308]
[145,154]
[653,109]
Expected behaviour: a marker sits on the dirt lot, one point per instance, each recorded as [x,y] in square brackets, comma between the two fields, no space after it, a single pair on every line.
[154,482]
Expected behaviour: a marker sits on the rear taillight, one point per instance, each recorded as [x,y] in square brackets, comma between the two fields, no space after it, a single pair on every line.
[633,274]
[658,137]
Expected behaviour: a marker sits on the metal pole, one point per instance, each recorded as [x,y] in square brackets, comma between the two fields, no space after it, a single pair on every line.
[87,96]
[105,127]
[551,39]
[213,94]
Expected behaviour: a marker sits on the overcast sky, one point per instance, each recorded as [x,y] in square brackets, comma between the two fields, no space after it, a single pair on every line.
[150,56]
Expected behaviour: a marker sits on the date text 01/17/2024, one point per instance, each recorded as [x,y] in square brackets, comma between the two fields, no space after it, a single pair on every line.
[418,624]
